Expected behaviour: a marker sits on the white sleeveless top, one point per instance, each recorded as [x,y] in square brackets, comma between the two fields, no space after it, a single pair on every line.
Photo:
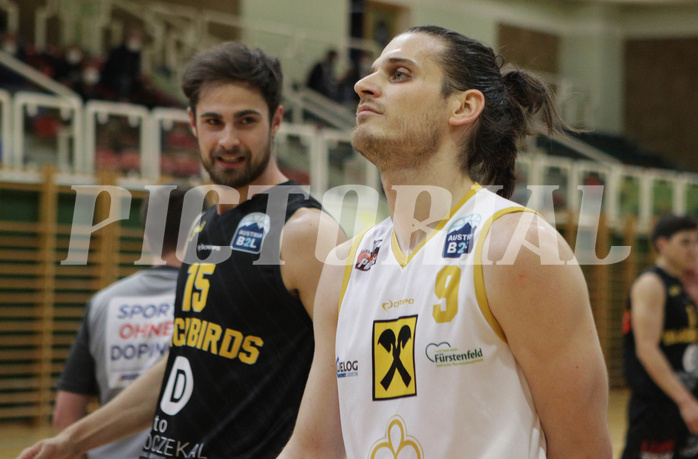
[423,368]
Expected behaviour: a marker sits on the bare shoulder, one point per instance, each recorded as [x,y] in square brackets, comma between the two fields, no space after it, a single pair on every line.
[524,237]
[304,223]
[647,294]
[310,231]
[648,282]
[531,273]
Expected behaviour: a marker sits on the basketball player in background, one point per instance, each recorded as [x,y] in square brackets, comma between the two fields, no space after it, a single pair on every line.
[660,355]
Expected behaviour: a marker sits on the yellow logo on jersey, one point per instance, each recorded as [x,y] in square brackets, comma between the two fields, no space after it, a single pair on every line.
[197,229]
[395,441]
[393,358]
[674,290]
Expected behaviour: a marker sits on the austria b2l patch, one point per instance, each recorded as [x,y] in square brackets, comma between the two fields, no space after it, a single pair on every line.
[459,239]
[251,232]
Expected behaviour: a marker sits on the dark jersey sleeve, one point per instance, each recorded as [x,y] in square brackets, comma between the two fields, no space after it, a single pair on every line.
[79,373]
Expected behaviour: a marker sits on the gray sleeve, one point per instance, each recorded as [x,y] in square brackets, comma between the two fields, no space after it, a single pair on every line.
[78,376]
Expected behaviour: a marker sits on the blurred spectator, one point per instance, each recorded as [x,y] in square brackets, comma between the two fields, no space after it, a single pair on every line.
[360,67]
[88,86]
[122,70]
[68,67]
[322,76]
[11,46]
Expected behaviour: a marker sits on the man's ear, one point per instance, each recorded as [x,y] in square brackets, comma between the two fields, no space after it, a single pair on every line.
[276,120]
[660,243]
[192,121]
[467,106]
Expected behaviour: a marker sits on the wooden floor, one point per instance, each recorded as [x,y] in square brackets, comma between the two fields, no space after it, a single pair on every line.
[15,437]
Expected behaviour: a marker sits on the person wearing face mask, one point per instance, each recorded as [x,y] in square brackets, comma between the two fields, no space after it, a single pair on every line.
[122,70]
[68,68]
[89,86]
[10,46]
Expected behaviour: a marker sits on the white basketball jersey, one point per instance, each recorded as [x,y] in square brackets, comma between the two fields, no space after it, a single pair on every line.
[423,367]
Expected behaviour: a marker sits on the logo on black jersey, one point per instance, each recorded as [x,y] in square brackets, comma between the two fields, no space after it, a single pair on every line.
[250,233]
[367,258]
[675,290]
[393,358]
[179,387]
[459,239]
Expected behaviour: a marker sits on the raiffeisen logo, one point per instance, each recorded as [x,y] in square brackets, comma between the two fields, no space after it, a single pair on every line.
[390,304]
[443,355]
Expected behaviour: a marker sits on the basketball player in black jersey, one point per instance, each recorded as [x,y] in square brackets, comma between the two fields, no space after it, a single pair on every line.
[242,342]
[660,355]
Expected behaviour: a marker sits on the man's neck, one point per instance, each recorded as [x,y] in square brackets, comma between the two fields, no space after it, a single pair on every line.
[228,200]
[670,268]
[419,199]
[171,259]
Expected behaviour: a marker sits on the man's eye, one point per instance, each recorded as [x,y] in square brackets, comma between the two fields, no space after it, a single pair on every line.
[399,75]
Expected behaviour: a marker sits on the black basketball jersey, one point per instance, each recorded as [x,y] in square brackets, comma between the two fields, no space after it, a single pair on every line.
[242,344]
[677,341]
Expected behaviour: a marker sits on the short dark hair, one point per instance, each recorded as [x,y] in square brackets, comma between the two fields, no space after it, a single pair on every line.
[233,62]
[511,101]
[173,199]
[668,225]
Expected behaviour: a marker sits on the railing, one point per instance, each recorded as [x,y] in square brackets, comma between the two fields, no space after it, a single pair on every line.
[628,190]
[70,108]
[323,158]
[6,128]
[307,153]
[324,108]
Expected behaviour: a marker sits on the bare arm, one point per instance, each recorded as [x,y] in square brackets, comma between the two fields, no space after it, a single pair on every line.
[545,313]
[302,262]
[130,412]
[318,432]
[647,317]
[70,407]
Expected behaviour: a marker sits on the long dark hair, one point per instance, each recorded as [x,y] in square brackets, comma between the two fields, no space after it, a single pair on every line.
[233,62]
[512,100]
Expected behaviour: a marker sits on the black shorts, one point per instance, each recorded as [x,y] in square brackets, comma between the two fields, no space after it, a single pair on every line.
[656,430]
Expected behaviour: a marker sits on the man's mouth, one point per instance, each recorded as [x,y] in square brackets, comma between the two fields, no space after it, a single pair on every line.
[229,160]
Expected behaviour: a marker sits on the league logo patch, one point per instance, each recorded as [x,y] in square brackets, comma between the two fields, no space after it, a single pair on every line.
[250,233]
[459,239]
[366,258]
[393,358]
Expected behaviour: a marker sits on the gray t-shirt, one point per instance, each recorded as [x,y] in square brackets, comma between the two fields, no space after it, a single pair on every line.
[126,329]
